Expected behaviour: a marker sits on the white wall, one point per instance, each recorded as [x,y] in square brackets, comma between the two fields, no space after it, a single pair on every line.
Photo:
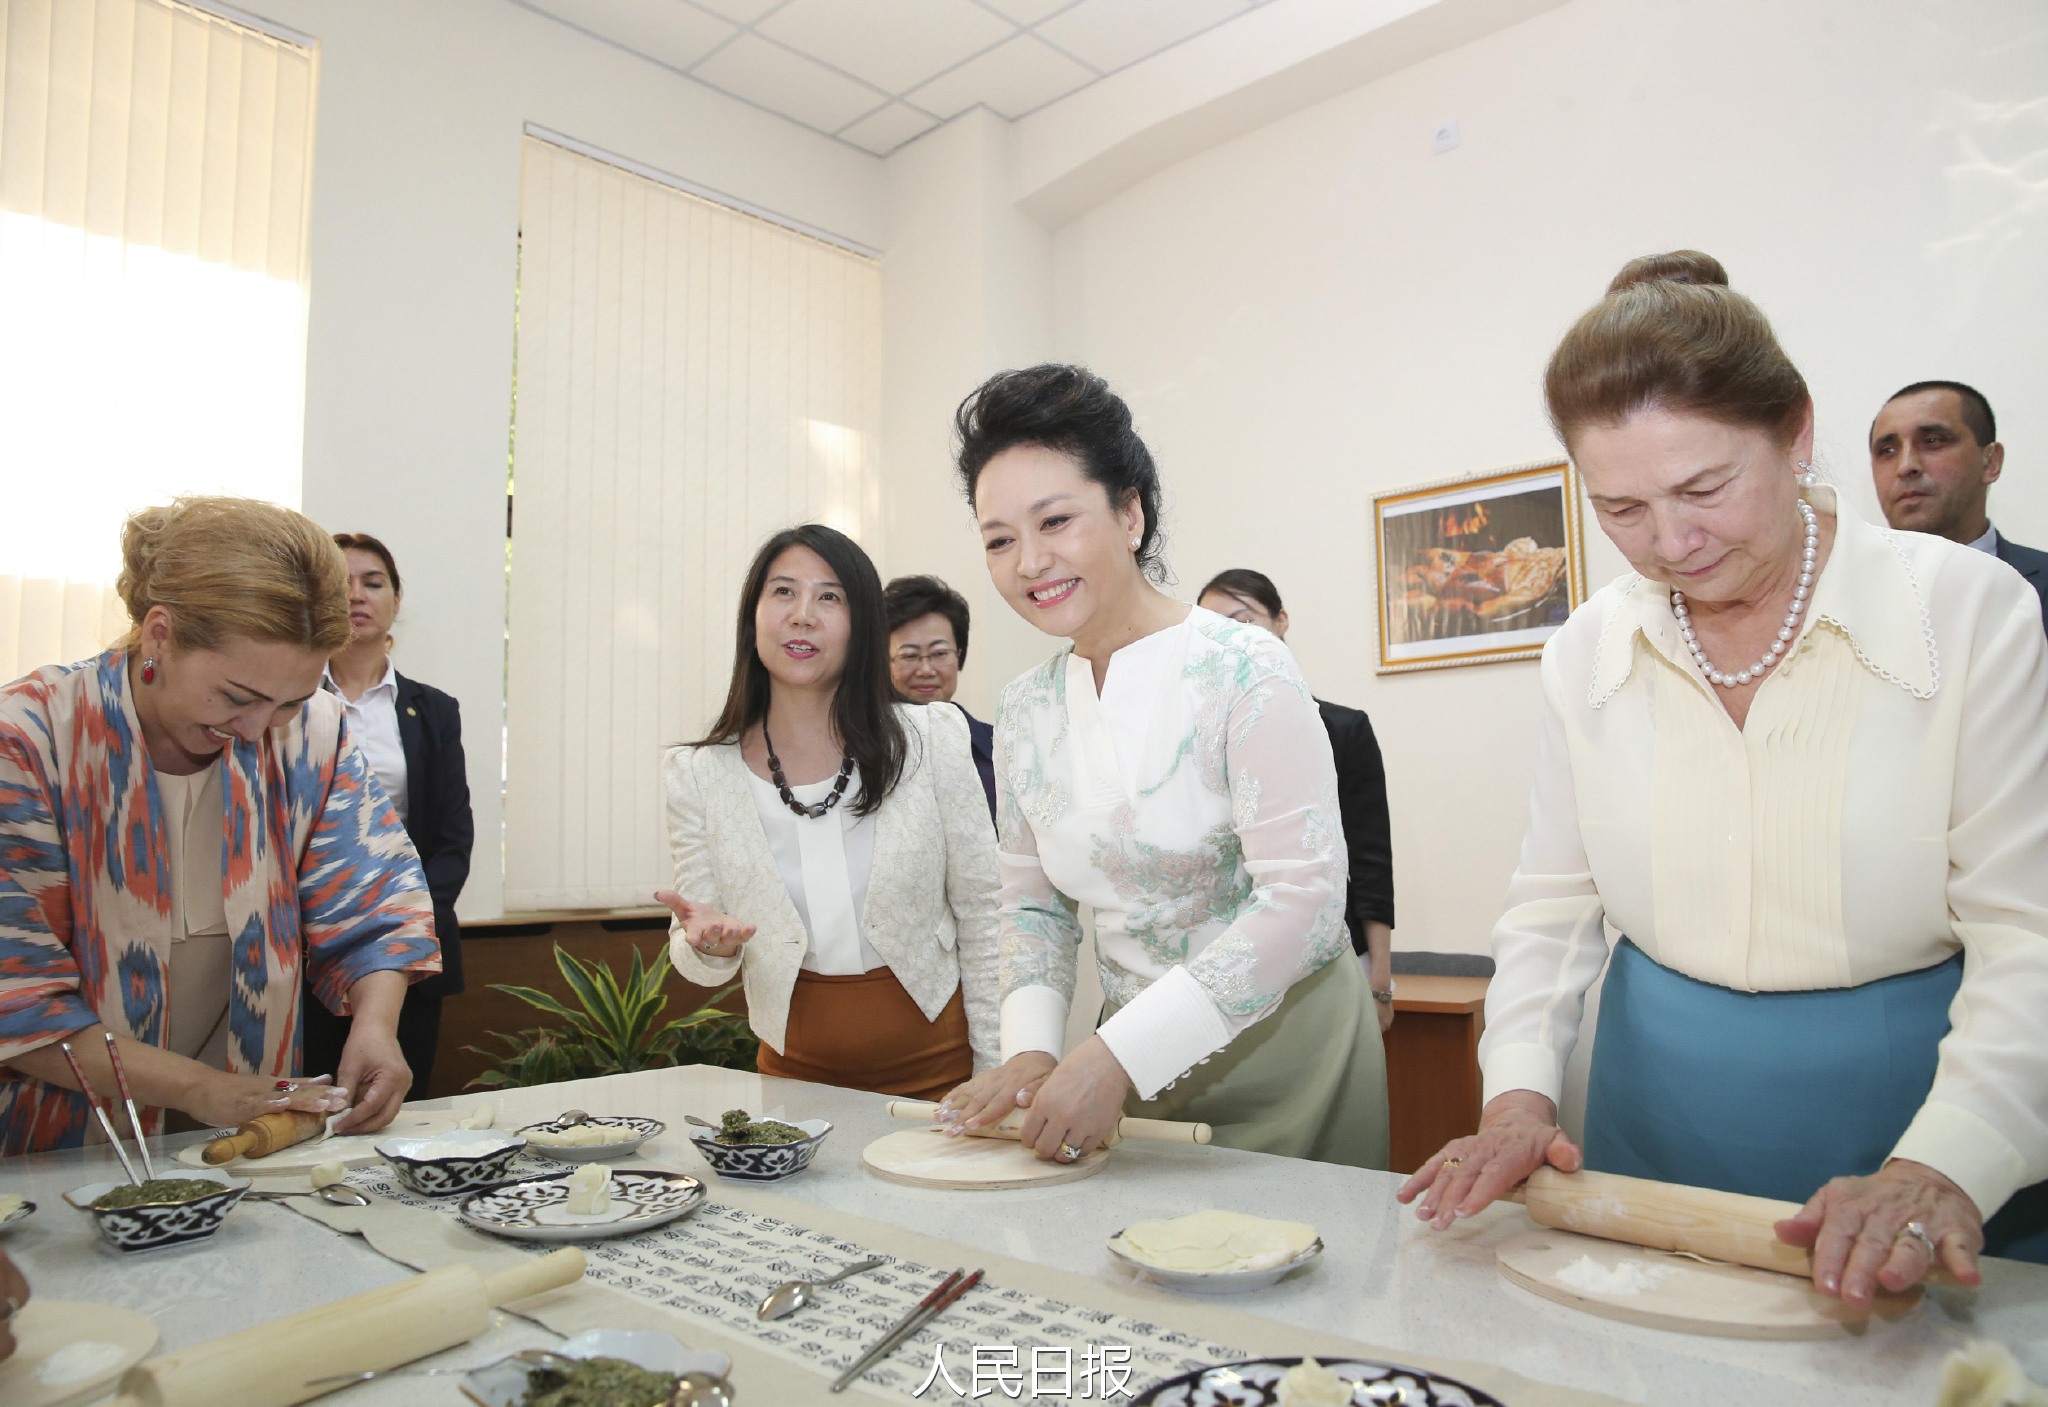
[1322,308]
[414,228]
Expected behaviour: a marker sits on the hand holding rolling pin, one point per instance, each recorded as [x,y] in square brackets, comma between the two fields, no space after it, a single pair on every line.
[1887,1229]
[1518,1134]
[710,932]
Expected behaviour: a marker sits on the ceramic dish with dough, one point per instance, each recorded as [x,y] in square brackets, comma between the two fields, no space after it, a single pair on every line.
[1259,1383]
[539,1208]
[1216,1253]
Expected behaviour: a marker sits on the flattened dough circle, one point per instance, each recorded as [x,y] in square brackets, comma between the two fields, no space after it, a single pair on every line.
[925,1157]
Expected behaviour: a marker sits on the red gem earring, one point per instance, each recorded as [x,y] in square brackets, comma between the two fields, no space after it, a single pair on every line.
[149,670]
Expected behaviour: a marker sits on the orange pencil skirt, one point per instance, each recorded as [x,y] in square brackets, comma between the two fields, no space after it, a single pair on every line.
[864,1032]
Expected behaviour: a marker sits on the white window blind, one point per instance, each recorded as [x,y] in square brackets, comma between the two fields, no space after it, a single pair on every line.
[690,379]
[155,166]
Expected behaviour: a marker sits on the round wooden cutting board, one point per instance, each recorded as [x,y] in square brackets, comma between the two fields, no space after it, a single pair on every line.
[45,1326]
[1687,1296]
[926,1157]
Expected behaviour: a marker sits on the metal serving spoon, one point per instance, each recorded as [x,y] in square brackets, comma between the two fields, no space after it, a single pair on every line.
[700,1390]
[338,1193]
[787,1299]
[569,1118]
[703,1123]
[531,1357]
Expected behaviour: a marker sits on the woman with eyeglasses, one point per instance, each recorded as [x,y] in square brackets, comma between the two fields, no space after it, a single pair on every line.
[927,651]
[827,845]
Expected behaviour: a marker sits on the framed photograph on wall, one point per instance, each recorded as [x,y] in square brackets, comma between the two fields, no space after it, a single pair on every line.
[1477,569]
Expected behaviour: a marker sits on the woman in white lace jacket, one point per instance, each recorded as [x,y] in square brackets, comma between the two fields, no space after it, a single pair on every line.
[833,846]
[1171,772]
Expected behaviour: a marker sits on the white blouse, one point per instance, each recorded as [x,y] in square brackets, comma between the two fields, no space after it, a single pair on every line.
[373,724]
[1192,805]
[825,862]
[1884,806]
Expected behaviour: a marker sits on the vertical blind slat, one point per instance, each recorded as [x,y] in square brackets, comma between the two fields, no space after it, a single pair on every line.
[676,359]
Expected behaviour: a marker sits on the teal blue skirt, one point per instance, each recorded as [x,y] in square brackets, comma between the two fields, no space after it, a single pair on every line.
[1772,1093]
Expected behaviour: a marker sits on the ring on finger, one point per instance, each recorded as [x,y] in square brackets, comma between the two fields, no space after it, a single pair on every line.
[1450,1162]
[1919,1233]
[1068,1153]
[285,1086]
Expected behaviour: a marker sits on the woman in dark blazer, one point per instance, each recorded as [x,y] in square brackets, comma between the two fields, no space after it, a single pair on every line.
[1249,596]
[411,733]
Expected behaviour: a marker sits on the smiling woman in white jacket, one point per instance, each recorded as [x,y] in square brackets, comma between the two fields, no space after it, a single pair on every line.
[834,846]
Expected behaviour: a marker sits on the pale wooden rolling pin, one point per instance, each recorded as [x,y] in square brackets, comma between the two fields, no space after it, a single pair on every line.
[1152,1130]
[1724,1226]
[266,1134]
[271,1364]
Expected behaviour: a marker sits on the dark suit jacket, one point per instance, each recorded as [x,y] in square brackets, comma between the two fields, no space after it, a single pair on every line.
[1362,804]
[2028,563]
[437,819]
[983,738]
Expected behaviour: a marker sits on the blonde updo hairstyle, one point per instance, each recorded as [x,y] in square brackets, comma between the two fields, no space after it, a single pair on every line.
[229,568]
[1672,335]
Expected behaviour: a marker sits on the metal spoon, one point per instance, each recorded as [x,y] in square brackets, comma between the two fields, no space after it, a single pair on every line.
[572,1117]
[700,1390]
[703,1123]
[787,1299]
[338,1193]
[531,1357]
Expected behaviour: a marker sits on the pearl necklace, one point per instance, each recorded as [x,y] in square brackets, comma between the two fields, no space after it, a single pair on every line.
[1807,556]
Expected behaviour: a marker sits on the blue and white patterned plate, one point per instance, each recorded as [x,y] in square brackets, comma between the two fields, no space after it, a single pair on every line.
[640,1129]
[536,1209]
[1256,1383]
[461,1160]
[147,1226]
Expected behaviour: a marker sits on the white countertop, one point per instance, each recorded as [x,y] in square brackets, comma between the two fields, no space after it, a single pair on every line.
[1385,1278]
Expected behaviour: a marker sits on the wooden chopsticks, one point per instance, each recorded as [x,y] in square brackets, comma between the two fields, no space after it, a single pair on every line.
[943,1296]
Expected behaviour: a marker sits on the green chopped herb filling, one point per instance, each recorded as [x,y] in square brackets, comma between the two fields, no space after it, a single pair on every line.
[734,1127]
[161,1189]
[598,1382]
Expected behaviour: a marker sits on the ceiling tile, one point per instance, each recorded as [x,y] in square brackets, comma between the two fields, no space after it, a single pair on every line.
[1011,79]
[1026,11]
[883,131]
[1111,34]
[738,11]
[787,83]
[666,31]
[893,44]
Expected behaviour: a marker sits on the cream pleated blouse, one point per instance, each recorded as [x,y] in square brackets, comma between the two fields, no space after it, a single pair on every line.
[1884,806]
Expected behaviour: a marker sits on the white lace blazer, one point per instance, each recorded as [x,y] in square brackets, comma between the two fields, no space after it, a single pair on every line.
[931,897]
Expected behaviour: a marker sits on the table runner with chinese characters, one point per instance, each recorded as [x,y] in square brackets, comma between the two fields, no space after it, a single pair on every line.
[1027,1334]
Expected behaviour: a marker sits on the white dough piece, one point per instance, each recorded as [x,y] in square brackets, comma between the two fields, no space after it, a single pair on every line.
[481,1117]
[78,1362]
[1983,1373]
[327,1174]
[580,1136]
[589,1190]
[1309,1384]
[1215,1242]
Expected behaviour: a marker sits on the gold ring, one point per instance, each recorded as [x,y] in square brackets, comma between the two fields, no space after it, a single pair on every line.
[1450,1162]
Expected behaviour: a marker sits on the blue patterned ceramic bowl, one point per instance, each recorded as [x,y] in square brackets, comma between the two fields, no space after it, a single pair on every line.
[461,1160]
[762,1162]
[153,1224]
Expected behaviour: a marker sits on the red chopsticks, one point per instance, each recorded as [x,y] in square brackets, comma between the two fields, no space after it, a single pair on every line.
[942,1297]
[85,1087]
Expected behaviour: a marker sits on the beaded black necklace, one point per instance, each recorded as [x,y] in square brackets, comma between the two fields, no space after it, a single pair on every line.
[816,809]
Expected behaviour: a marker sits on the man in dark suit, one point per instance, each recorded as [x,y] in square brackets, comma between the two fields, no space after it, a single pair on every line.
[1934,454]
[927,649]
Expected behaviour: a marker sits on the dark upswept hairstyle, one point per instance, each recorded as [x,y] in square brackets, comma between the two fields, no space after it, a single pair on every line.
[1671,333]
[363,542]
[1072,410]
[909,597]
[1976,409]
[1246,585]
[864,707]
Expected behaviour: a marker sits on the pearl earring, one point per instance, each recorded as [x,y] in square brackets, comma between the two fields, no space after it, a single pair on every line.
[1134,543]
[149,670]
[1807,478]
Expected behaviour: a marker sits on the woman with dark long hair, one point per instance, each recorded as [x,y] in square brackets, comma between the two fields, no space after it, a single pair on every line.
[832,844]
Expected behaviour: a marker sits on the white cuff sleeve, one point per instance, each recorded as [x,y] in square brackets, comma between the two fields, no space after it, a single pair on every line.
[1034,1018]
[1967,1151]
[1529,1065]
[1171,1026]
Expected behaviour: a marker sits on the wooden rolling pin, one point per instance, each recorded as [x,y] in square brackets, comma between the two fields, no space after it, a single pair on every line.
[265,1134]
[1724,1226]
[272,1364]
[1153,1130]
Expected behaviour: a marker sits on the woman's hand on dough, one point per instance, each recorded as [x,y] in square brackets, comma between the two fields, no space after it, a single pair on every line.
[1079,1104]
[227,1101]
[714,934]
[1857,1229]
[990,1097]
[1518,1134]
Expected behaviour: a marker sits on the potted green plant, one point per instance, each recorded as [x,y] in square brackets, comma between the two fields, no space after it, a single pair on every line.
[611,1030]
